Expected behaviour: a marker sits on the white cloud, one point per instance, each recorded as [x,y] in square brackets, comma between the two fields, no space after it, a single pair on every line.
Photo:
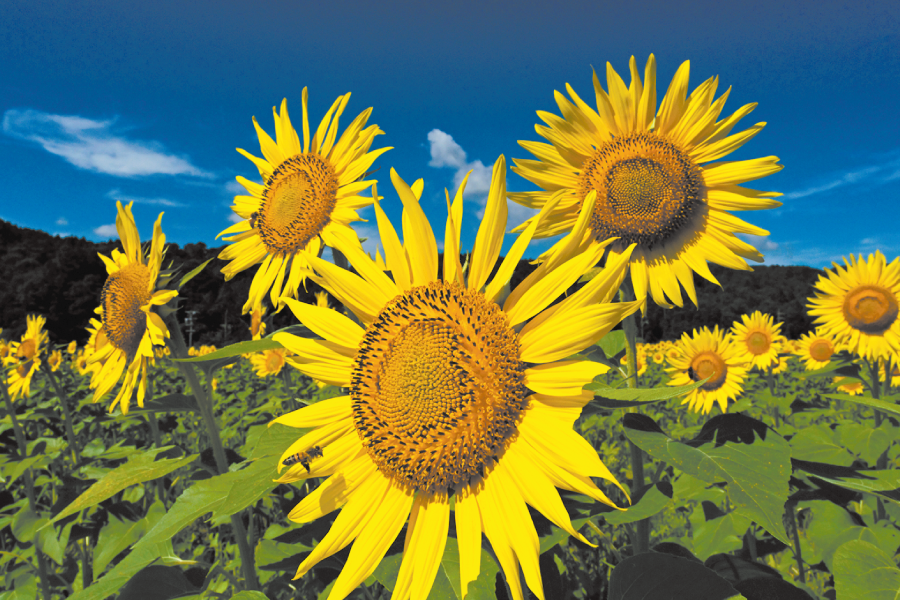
[62,221]
[234,217]
[106,232]
[760,242]
[446,153]
[889,170]
[94,146]
[124,199]
[233,188]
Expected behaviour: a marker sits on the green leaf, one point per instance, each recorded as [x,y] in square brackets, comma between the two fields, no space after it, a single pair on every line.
[235,350]
[25,525]
[244,488]
[828,527]
[722,534]
[885,483]
[656,576]
[51,545]
[119,575]
[653,500]
[249,595]
[757,473]
[866,442]
[116,537]
[194,272]
[818,443]
[157,582]
[863,571]
[629,397]
[613,343]
[139,468]
[882,405]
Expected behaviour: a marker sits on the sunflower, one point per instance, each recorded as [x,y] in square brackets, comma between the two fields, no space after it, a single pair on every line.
[309,195]
[760,337]
[857,304]
[26,356]
[72,347]
[124,340]
[709,354]
[653,177]
[257,326]
[453,394]
[268,362]
[816,350]
[55,360]
[849,385]
[640,359]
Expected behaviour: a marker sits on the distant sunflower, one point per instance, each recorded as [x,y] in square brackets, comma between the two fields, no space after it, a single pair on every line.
[857,304]
[268,362]
[123,342]
[849,385]
[72,347]
[26,356]
[309,195]
[652,174]
[55,360]
[759,336]
[451,395]
[815,350]
[709,354]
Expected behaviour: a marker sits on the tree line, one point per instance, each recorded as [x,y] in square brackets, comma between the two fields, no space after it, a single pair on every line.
[61,279]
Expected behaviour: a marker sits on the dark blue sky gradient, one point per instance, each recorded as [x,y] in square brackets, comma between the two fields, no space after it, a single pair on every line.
[184,78]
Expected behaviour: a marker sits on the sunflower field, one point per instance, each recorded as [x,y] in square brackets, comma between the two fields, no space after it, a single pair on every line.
[429,429]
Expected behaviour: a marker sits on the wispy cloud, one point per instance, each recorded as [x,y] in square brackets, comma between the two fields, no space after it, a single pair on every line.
[125,199]
[446,153]
[95,146]
[760,242]
[873,174]
[62,221]
[106,232]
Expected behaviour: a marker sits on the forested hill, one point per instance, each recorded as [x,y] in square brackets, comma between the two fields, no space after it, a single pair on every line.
[61,279]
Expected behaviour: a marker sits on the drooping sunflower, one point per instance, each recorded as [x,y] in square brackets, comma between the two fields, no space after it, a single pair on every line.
[72,347]
[257,325]
[857,304]
[653,174]
[849,385]
[709,354]
[816,350]
[310,193]
[760,337]
[26,356]
[55,360]
[123,341]
[451,395]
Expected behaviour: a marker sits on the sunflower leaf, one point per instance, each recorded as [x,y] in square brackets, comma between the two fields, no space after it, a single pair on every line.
[753,460]
[194,272]
[647,502]
[884,483]
[139,468]
[861,570]
[605,397]
[887,404]
[655,576]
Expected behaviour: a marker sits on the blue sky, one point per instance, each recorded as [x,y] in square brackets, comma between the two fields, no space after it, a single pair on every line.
[146,101]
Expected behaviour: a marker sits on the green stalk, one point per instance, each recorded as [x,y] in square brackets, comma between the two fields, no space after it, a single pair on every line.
[642,527]
[157,441]
[792,521]
[204,400]
[29,491]
[880,511]
[64,402]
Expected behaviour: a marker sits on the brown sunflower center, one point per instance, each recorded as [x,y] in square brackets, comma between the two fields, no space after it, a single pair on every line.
[274,361]
[648,189]
[123,294]
[871,309]
[758,343]
[438,387]
[298,200]
[821,350]
[709,364]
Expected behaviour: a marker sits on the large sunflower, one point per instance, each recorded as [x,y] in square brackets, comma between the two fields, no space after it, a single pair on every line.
[816,350]
[310,194]
[652,173]
[760,337]
[857,304]
[123,341]
[709,354]
[453,394]
[25,355]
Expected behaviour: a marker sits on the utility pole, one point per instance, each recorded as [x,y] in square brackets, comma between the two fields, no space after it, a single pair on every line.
[189,323]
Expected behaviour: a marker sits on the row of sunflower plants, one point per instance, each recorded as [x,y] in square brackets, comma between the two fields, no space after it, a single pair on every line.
[433,430]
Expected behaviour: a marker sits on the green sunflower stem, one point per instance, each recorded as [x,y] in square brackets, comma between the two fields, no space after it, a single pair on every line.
[629,325]
[64,402]
[204,400]
[28,478]
[157,441]
[880,511]
[795,532]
